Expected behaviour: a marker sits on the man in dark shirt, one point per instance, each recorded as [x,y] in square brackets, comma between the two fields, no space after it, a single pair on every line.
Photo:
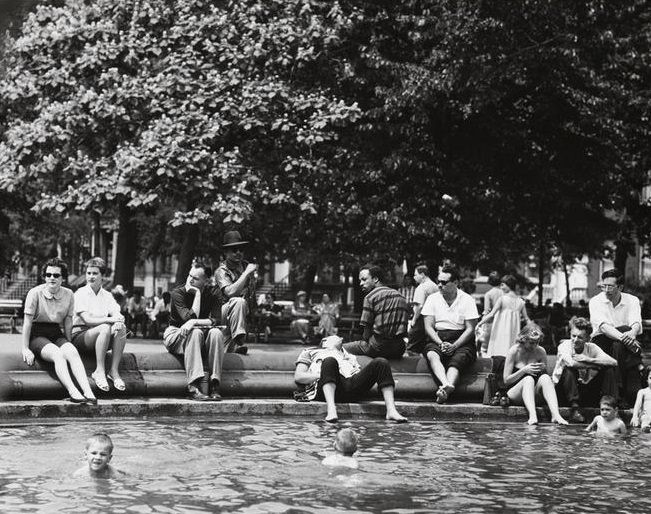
[194,310]
[236,280]
[385,313]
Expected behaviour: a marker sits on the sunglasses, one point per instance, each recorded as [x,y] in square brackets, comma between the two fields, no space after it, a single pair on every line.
[443,282]
[55,275]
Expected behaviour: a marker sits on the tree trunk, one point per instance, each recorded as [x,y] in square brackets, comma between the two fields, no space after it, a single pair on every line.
[308,279]
[357,292]
[622,251]
[97,234]
[126,251]
[188,248]
[568,300]
[541,271]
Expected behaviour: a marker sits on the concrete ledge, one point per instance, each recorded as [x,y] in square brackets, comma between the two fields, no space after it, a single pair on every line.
[21,411]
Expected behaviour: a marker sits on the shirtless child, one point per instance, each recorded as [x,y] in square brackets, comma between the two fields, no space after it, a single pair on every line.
[98,454]
[608,422]
[345,447]
[642,408]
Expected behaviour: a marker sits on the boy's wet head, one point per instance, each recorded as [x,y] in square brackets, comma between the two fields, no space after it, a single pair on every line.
[346,441]
[608,407]
[99,451]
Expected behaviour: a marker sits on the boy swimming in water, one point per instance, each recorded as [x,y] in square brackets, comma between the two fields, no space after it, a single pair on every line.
[98,454]
[345,447]
[608,422]
[642,409]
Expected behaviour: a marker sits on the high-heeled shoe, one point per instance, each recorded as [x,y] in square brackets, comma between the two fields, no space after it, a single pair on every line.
[90,401]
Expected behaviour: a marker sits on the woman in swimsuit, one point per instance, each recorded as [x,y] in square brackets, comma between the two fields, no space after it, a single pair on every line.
[525,374]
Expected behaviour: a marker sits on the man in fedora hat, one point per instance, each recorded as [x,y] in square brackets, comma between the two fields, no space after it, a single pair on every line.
[236,280]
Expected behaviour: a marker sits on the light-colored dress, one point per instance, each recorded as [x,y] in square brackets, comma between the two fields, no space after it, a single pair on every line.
[328,314]
[506,326]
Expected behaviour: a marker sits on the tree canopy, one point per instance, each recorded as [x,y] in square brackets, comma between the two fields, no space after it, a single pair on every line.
[335,132]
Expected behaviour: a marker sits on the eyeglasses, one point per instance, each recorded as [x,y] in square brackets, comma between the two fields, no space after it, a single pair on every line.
[443,282]
[55,275]
[608,287]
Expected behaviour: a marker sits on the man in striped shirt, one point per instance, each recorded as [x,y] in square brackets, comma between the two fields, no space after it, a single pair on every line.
[385,313]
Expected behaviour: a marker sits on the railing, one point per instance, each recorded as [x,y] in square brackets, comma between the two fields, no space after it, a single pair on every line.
[16,288]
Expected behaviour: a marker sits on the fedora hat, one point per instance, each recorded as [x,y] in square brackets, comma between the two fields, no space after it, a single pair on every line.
[233,238]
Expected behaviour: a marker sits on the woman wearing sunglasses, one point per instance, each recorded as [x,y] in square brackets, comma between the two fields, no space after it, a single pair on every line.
[48,308]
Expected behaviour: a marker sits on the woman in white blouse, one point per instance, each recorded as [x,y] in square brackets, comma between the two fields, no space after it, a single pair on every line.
[98,325]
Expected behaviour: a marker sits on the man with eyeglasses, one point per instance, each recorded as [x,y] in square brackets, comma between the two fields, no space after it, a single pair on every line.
[583,372]
[616,322]
[195,309]
[450,318]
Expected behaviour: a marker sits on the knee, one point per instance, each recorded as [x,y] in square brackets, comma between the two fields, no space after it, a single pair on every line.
[433,357]
[545,380]
[69,351]
[381,362]
[329,363]
[104,329]
[528,381]
[196,336]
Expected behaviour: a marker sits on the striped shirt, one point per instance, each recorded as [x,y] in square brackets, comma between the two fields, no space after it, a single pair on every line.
[387,311]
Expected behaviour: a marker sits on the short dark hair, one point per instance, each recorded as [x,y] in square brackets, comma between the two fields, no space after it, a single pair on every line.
[608,400]
[422,269]
[452,270]
[580,323]
[167,297]
[206,269]
[374,270]
[510,281]
[100,438]
[58,263]
[614,273]
[494,278]
[97,262]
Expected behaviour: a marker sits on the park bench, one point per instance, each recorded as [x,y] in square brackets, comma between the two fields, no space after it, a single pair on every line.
[9,313]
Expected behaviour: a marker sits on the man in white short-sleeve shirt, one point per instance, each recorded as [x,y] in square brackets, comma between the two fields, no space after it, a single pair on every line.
[425,288]
[617,321]
[450,319]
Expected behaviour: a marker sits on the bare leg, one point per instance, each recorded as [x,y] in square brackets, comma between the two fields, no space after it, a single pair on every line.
[438,368]
[117,349]
[329,394]
[525,391]
[52,353]
[71,355]
[100,337]
[389,401]
[549,393]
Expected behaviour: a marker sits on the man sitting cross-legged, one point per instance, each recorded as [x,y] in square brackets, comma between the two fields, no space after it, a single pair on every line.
[450,319]
[330,373]
[194,310]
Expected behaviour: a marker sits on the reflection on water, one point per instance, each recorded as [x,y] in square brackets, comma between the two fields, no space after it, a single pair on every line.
[273,465]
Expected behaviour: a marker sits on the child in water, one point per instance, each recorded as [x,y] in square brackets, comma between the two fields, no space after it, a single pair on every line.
[642,407]
[345,447]
[98,454]
[608,422]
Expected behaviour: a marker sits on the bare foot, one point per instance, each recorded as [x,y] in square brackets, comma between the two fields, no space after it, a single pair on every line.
[532,420]
[332,419]
[444,393]
[560,420]
[398,418]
